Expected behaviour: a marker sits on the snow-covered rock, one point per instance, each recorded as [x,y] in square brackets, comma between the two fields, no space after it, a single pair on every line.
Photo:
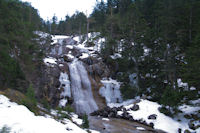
[50,61]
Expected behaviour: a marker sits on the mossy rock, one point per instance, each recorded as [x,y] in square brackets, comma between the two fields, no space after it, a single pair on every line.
[20,98]
[187,131]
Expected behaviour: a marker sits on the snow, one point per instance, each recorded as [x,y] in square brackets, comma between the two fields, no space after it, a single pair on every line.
[63,102]
[124,103]
[116,56]
[50,61]
[84,55]
[76,119]
[105,119]
[93,131]
[61,65]
[58,38]
[77,39]
[119,113]
[188,109]
[140,128]
[181,84]
[41,34]
[192,88]
[21,120]
[70,56]
[148,108]
[162,122]
[110,91]
[70,46]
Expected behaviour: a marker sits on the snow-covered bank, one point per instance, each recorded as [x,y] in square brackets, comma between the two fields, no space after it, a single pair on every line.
[21,120]
[148,112]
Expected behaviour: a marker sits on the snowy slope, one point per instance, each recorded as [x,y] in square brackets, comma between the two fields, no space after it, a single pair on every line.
[163,122]
[22,120]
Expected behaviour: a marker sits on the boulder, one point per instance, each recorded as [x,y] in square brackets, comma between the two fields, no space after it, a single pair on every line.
[152,117]
[191,125]
[135,107]
[187,131]
[179,130]
[151,125]
[67,59]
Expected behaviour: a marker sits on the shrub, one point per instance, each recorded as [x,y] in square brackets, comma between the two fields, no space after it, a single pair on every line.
[85,121]
[5,129]
[69,109]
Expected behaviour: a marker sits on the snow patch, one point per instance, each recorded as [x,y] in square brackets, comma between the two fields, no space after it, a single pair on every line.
[181,84]
[50,61]
[116,56]
[105,119]
[84,55]
[140,128]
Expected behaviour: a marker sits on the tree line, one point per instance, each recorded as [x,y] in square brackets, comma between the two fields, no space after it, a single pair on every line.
[159,41]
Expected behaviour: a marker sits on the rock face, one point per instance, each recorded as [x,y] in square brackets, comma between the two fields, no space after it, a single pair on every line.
[49,82]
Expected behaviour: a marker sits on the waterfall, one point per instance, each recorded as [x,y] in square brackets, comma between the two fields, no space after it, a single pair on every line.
[81,89]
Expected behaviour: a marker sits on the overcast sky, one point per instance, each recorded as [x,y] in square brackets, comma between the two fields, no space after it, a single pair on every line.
[47,8]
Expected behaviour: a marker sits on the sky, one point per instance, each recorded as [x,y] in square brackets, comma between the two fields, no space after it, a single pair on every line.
[61,8]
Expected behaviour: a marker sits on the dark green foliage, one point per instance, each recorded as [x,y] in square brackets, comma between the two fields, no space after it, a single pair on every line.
[30,101]
[128,91]
[85,121]
[68,108]
[74,25]
[166,111]
[31,94]
[168,29]
[18,20]
[62,115]
[45,104]
[171,97]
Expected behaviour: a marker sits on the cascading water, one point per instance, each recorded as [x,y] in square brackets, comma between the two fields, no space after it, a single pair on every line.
[65,84]
[81,89]
[111,91]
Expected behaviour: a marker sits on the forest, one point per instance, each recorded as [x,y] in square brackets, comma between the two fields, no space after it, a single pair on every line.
[159,41]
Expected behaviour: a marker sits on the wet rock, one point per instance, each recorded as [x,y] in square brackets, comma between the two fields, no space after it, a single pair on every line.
[152,117]
[69,41]
[49,84]
[135,107]
[67,59]
[179,130]
[191,125]
[119,108]
[112,114]
[187,131]
[151,125]
[114,110]
[125,115]
[187,116]
[88,61]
